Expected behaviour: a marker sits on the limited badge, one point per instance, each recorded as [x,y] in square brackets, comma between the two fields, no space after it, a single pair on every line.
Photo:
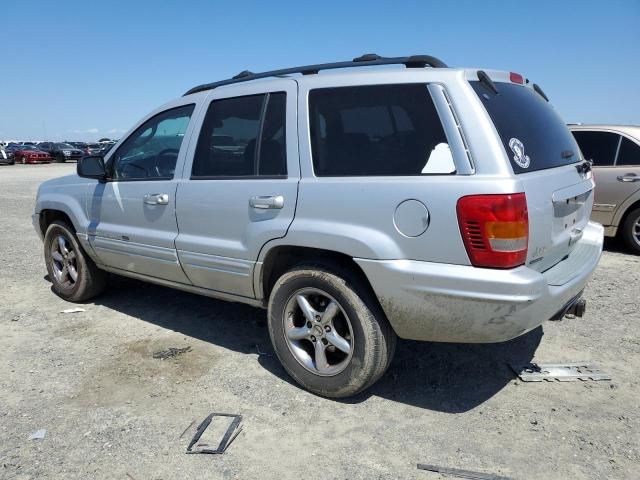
[518,153]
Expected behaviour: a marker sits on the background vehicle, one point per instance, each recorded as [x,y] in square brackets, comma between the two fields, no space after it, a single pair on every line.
[61,152]
[615,153]
[30,154]
[6,157]
[427,203]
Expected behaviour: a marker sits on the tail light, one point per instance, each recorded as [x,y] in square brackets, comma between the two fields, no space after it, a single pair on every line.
[516,78]
[495,229]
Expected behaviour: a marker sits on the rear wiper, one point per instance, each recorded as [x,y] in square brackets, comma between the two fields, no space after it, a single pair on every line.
[567,154]
[584,167]
[539,91]
[486,81]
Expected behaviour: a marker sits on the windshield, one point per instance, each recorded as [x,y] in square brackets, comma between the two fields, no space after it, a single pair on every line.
[533,134]
[27,147]
[64,145]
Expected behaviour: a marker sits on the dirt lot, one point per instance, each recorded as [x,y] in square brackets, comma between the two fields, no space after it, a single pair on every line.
[111,410]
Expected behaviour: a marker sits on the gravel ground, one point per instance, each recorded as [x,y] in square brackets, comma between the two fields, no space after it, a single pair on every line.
[111,410]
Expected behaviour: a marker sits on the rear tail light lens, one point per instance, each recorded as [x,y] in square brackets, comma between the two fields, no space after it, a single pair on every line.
[495,229]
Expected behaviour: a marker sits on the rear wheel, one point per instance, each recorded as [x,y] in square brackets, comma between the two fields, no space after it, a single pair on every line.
[73,274]
[328,330]
[631,230]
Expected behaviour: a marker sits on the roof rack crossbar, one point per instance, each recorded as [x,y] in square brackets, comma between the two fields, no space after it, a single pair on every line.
[369,59]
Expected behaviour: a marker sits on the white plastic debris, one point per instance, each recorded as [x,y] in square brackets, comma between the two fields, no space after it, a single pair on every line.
[73,310]
[38,435]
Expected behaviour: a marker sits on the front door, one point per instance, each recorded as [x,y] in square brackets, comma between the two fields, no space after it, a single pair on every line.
[133,223]
[240,190]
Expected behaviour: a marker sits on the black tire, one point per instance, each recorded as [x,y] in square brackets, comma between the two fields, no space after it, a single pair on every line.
[59,159]
[90,281]
[631,238]
[373,339]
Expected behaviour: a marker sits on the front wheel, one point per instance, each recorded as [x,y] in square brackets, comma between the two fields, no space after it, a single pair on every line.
[631,231]
[329,331]
[73,274]
[59,159]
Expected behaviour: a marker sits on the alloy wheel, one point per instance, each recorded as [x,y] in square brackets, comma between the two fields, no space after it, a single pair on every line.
[64,261]
[318,332]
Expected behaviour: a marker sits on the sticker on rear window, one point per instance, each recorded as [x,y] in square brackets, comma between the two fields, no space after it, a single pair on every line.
[517,147]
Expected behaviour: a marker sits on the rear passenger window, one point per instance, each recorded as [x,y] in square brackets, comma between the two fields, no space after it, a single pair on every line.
[599,147]
[377,130]
[629,154]
[242,137]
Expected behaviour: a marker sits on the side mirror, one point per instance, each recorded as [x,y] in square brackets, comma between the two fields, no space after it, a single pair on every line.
[92,167]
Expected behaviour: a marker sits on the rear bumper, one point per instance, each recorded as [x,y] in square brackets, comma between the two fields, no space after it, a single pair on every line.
[459,303]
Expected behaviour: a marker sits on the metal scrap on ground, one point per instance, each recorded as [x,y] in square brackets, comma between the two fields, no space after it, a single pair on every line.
[562,372]
[73,310]
[461,473]
[233,430]
[171,352]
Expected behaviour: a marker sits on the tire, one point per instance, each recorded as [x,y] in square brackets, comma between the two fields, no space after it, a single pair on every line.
[59,159]
[90,281]
[630,231]
[358,320]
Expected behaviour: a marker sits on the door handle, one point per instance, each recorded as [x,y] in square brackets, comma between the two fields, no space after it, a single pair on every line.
[629,177]
[156,199]
[268,201]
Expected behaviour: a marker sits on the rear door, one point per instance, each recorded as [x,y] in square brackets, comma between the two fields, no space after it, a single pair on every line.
[601,148]
[627,174]
[543,155]
[240,186]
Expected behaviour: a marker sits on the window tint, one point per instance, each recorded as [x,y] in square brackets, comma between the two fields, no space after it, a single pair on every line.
[228,145]
[151,152]
[629,153]
[377,130]
[599,147]
[540,136]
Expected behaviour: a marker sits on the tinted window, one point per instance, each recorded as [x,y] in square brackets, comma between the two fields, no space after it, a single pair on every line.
[629,153]
[599,147]
[521,114]
[228,145]
[377,130]
[151,152]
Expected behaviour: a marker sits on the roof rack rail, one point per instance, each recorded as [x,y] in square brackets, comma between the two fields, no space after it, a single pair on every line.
[366,60]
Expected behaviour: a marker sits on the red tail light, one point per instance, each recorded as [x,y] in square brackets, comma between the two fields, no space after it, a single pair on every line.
[495,229]
[516,78]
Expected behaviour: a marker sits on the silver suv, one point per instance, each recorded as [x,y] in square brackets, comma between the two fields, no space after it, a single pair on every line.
[432,203]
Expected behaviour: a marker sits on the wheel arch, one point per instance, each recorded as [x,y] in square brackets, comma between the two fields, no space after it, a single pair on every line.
[281,258]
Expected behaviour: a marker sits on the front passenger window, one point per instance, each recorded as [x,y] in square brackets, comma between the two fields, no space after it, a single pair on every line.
[151,152]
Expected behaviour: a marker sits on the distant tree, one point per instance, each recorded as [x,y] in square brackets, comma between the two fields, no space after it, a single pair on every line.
[104,140]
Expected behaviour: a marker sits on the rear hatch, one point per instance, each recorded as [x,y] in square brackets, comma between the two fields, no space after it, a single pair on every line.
[545,158]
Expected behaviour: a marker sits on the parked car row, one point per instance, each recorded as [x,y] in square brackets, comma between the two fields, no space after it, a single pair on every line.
[47,152]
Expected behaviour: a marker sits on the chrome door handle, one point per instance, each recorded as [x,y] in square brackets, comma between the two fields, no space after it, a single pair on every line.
[268,201]
[156,199]
[629,177]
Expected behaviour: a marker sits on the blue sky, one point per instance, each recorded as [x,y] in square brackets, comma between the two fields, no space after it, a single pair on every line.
[83,69]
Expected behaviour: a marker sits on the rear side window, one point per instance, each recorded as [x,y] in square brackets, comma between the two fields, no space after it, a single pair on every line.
[379,130]
[533,134]
[242,137]
[629,154]
[598,147]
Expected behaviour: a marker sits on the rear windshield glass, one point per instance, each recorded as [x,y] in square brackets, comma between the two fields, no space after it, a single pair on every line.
[533,134]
